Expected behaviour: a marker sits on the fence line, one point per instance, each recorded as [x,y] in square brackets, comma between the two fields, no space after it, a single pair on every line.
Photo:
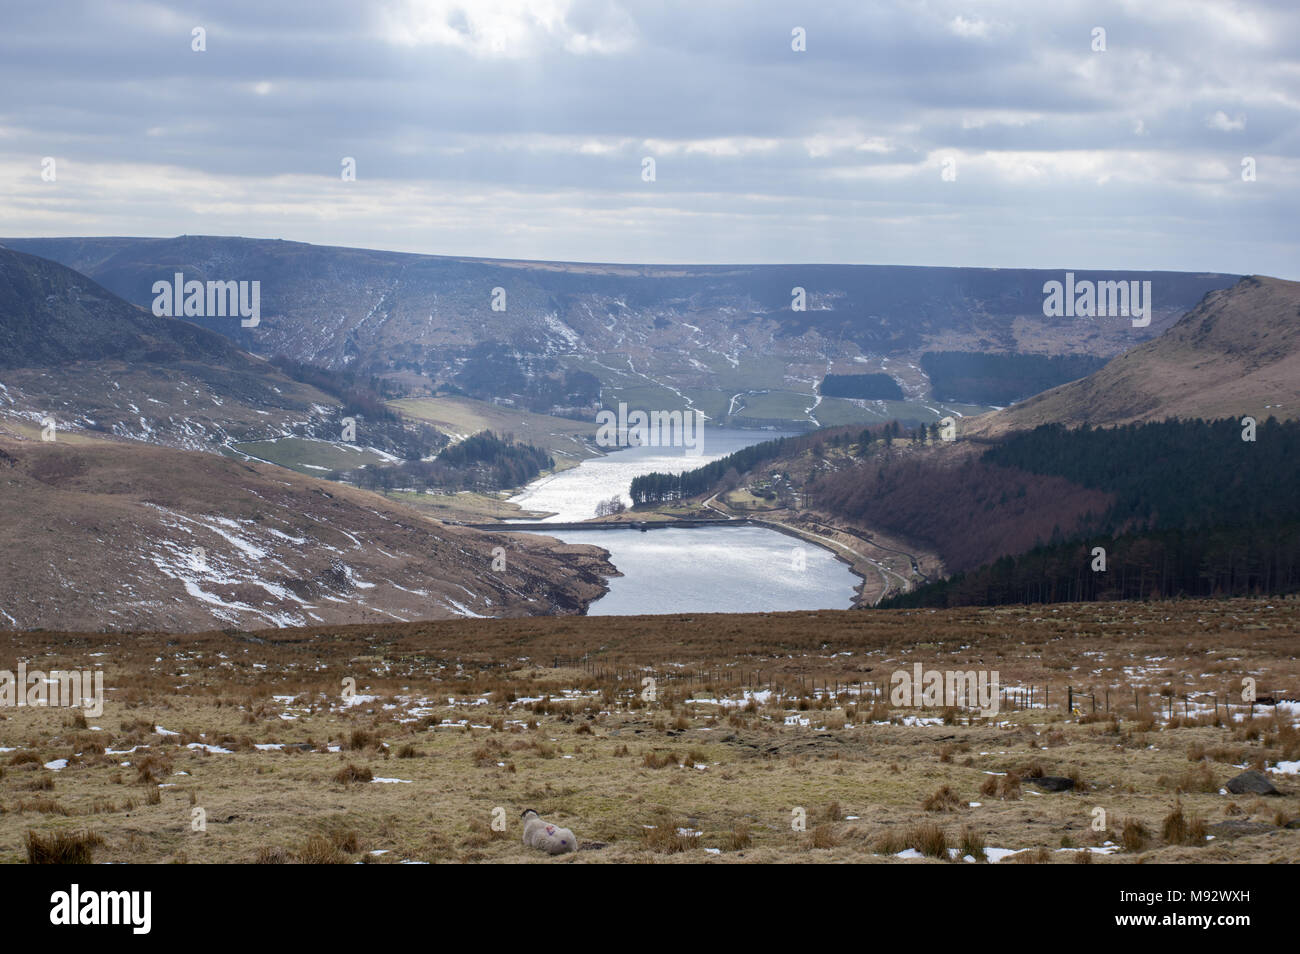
[1071,699]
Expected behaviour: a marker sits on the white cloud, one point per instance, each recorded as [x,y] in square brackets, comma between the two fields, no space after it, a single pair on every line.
[516,128]
[508,29]
[821,145]
[721,147]
[974,27]
[1221,121]
[998,117]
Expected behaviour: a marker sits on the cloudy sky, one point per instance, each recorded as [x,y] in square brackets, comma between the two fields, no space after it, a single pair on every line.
[519,128]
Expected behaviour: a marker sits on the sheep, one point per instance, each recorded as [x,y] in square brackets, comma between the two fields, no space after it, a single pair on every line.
[544,837]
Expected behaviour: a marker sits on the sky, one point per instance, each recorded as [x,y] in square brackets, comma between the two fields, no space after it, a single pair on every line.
[920,132]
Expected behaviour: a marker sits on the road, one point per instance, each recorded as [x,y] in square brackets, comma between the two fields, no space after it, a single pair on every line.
[885,572]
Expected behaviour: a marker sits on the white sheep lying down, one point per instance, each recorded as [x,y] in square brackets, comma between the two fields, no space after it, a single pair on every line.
[546,837]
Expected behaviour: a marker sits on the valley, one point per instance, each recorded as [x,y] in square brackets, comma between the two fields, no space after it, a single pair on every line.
[724,339]
[602,432]
[379,424]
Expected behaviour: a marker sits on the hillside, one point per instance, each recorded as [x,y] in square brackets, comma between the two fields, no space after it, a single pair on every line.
[54,315]
[724,338]
[1236,353]
[108,535]
[132,529]
[1180,507]
[73,352]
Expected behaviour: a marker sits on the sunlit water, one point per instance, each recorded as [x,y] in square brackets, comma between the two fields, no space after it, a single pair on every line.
[573,494]
[716,570]
[690,569]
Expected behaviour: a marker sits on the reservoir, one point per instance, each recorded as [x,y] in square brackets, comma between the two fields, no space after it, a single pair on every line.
[690,569]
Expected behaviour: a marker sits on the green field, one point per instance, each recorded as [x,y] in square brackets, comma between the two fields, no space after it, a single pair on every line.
[782,405]
[713,403]
[462,416]
[465,506]
[835,411]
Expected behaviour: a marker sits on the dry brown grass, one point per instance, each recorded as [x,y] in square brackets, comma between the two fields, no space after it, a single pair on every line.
[823,836]
[320,850]
[352,774]
[669,837]
[1178,829]
[971,845]
[595,756]
[929,839]
[740,837]
[1199,778]
[62,847]
[944,799]
[1005,787]
[1133,835]
[660,759]
[45,806]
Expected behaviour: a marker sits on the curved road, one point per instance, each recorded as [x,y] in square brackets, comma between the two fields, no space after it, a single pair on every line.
[884,571]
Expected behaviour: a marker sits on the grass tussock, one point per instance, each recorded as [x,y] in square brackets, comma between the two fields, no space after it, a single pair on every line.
[1178,829]
[740,837]
[320,850]
[927,838]
[353,774]
[668,837]
[362,739]
[823,836]
[971,845]
[62,847]
[657,759]
[42,805]
[1005,787]
[943,799]
[1133,835]
[1034,856]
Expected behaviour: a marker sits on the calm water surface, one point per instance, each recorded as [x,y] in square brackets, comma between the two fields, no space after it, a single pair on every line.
[690,569]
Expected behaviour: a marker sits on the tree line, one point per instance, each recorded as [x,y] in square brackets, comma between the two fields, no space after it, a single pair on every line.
[659,488]
[1193,510]
[867,387]
[1160,564]
[481,462]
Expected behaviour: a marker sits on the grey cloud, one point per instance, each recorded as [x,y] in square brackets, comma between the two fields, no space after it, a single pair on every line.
[118,86]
